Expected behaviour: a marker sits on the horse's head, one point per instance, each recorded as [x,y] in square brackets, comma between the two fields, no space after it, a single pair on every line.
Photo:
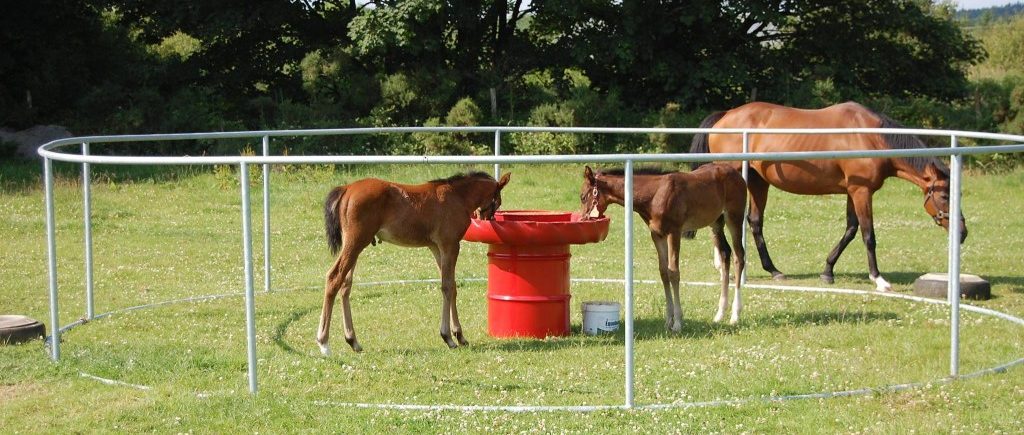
[936,199]
[491,205]
[593,199]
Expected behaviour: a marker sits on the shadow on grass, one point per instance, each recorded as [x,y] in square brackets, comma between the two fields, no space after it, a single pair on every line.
[20,177]
[819,318]
[693,329]
[1014,284]
[283,326]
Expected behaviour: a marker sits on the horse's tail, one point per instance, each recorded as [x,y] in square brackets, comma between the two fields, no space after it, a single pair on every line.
[332,225]
[700,140]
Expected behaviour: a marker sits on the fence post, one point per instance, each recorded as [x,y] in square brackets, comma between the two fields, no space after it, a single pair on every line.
[954,260]
[51,258]
[250,304]
[746,207]
[497,153]
[87,229]
[266,216]
[628,204]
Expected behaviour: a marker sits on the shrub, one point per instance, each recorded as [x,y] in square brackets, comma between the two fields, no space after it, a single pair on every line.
[464,113]
[671,116]
[548,115]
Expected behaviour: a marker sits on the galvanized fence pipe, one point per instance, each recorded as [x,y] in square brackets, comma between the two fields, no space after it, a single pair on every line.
[87,229]
[51,258]
[497,153]
[46,151]
[953,272]
[250,304]
[266,216]
[746,206]
[627,202]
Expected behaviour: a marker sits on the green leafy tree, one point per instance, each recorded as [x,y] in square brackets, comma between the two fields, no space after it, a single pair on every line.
[474,45]
[54,54]
[1004,42]
[713,53]
[874,47]
[654,52]
[246,49]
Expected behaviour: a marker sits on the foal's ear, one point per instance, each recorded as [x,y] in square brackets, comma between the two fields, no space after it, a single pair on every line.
[588,174]
[504,180]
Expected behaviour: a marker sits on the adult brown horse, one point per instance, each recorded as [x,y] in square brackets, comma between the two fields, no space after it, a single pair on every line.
[857,178]
[674,205]
[434,215]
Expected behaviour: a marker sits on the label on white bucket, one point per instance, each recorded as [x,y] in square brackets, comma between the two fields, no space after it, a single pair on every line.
[600,317]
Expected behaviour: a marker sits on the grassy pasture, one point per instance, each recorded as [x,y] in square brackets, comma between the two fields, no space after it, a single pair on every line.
[176,234]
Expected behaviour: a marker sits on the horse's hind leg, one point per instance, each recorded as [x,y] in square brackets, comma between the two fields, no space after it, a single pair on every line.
[339,278]
[331,287]
[723,250]
[851,230]
[734,221]
[758,188]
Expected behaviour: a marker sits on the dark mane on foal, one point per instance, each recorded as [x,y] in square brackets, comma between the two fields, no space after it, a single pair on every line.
[457,177]
[619,172]
[906,142]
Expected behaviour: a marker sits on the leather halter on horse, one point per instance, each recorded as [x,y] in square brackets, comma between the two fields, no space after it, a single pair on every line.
[940,214]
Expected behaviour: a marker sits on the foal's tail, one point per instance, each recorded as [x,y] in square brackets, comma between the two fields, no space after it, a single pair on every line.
[700,140]
[331,223]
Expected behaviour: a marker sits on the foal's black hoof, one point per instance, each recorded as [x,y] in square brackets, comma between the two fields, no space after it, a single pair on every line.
[448,340]
[828,279]
[352,342]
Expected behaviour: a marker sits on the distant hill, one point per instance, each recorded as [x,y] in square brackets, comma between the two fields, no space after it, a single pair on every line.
[980,16]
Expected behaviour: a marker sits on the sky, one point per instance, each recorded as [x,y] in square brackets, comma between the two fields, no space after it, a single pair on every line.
[976,4]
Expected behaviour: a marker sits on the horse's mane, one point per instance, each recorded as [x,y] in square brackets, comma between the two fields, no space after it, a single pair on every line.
[619,172]
[463,176]
[908,141]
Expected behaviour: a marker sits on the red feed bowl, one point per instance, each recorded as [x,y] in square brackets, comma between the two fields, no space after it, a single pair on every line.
[537,227]
[528,269]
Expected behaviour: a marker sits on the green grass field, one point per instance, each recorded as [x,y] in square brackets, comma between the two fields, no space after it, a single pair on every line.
[176,234]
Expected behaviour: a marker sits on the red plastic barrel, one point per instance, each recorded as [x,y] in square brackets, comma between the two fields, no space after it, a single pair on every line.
[528,269]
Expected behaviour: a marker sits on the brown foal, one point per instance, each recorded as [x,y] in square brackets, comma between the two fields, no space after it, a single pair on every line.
[433,215]
[674,205]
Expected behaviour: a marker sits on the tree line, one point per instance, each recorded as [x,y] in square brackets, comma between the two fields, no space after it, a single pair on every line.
[146,66]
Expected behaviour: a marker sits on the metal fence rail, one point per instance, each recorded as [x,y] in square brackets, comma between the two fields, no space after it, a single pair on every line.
[53,152]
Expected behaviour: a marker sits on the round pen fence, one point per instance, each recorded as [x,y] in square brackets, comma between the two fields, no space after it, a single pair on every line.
[60,151]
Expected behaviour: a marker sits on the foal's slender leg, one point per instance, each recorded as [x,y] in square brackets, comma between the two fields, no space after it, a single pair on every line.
[661,244]
[331,287]
[735,223]
[722,247]
[339,278]
[446,257]
[758,188]
[851,230]
[862,204]
[673,277]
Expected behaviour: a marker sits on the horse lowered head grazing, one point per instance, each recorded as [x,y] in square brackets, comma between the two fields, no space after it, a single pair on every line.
[435,214]
[857,178]
[674,205]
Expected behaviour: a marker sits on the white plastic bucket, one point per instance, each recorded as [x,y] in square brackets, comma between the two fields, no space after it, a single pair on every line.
[600,317]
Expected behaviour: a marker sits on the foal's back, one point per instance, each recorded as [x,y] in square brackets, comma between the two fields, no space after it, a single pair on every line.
[401,214]
[694,200]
